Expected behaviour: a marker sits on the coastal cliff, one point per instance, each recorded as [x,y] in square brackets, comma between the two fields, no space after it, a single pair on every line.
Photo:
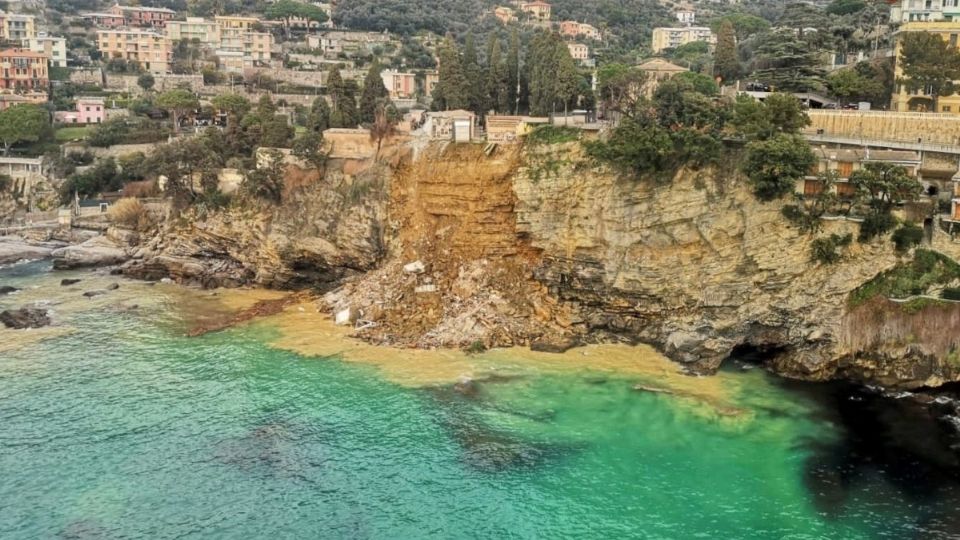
[467,246]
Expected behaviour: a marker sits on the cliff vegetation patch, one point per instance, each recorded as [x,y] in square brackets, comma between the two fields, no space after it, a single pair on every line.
[927,271]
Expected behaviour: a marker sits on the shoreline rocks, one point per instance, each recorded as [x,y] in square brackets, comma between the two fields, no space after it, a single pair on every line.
[98,251]
[15,248]
[24,318]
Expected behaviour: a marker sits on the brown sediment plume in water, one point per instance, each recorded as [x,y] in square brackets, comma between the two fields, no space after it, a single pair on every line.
[305,331]
[260,309]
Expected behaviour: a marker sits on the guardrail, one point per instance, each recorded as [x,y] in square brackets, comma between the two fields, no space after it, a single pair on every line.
[883,143]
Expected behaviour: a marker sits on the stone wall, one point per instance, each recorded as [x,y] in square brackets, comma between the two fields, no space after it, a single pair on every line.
[901,126]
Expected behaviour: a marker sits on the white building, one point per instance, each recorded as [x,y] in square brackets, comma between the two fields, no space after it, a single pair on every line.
[904,11]
[54,47]
[686,17]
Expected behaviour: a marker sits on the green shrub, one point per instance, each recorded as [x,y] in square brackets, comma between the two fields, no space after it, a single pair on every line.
[875,224]
[907,236]
[825,250]
[774,166]
[927,270]
[553,135]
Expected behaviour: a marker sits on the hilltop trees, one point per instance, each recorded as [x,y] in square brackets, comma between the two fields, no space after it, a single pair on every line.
[285,10]
[930,65]
[554,79]
[451,91]
[679,127]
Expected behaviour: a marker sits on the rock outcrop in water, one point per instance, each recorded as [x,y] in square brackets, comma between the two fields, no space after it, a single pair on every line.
[23,318]
[535,245]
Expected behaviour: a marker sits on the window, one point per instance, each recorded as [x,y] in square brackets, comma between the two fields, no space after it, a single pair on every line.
[846,190]
[812,188]
[844,168]
[945,108]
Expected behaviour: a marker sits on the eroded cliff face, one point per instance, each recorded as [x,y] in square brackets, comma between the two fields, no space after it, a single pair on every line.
[537,246]
[325,230]
[700,268]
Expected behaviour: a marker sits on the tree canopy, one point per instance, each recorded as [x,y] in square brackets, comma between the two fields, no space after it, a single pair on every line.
[930,65]
[23,123]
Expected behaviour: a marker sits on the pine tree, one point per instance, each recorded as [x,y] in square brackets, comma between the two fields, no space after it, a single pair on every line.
[725,63]
[373,91]
[513,73]
[451,91]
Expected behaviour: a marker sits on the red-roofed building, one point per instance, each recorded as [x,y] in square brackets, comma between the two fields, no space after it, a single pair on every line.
[24,70]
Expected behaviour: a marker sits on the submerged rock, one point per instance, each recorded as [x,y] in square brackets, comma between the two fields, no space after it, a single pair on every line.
[68,282]
[25,318]
[6,289]
[557,345]
[97,292]
[113,286]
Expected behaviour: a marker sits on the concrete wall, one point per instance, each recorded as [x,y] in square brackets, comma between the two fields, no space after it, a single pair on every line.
[897,126]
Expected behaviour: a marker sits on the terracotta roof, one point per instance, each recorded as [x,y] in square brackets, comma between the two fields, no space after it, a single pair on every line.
[20,53]
[659,64]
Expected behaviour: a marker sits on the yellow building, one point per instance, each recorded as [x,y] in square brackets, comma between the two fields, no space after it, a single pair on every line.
[254,46]
[151,50]
[671,38]
[17,27]
[231,25]
[903,100]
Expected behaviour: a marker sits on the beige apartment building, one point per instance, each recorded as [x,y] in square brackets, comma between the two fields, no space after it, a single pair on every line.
[206,32]
[150,49]
[54,47]
[671,38]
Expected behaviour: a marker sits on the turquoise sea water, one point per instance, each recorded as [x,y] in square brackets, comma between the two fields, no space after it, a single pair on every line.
[126,429]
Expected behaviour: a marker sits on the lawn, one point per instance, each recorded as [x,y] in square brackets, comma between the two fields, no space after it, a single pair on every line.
[72,133]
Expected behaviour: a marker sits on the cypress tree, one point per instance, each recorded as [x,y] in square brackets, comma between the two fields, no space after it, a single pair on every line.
[343,110]
[725,64]
[373,92]
[497,91]
[513,73]
[451,91]
[474,77]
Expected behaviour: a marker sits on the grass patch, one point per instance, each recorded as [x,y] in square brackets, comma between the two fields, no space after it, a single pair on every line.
[926,270]
[553,135]
[72,133]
